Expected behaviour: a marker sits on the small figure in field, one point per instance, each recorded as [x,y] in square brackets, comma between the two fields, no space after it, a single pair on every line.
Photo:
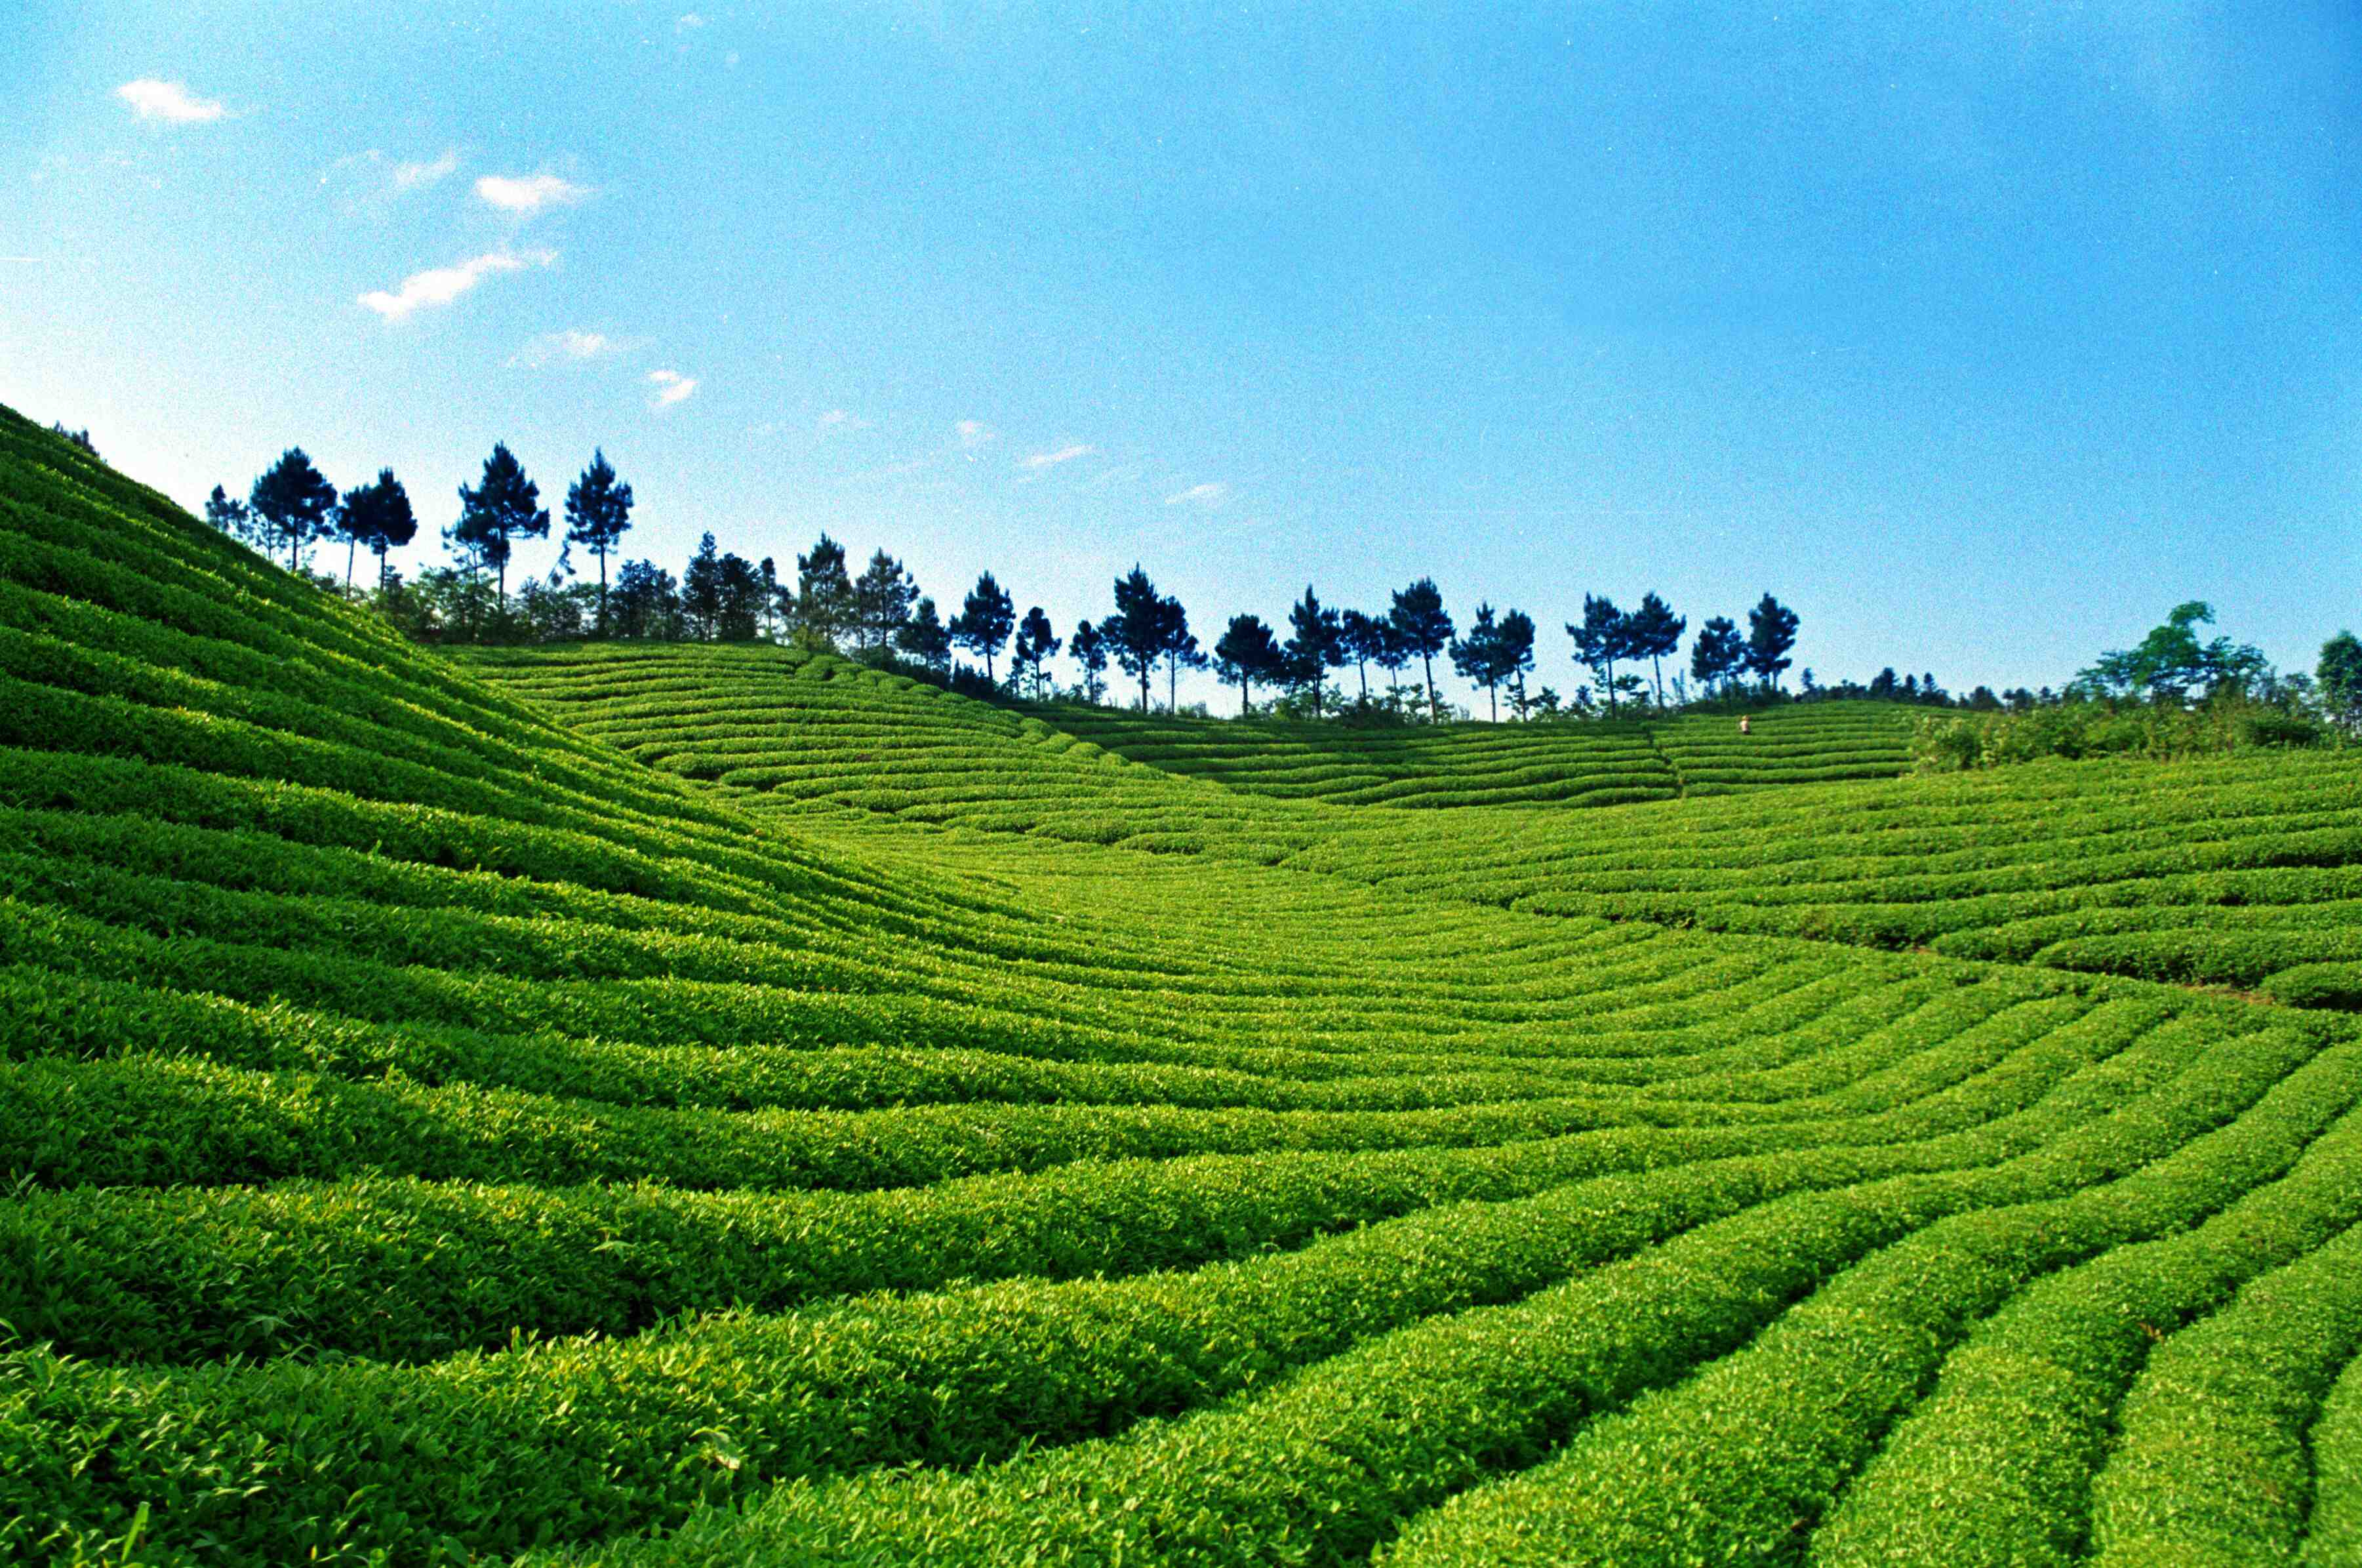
[1743,728]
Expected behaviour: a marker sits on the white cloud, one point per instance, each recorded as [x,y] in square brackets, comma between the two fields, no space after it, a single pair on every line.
[838,419]
[671,386]
[528,192]
[975,432]
[1200,495]
[419,175]
[441,285]
[1062,455]
[688,23]
[572,344]
[169,100]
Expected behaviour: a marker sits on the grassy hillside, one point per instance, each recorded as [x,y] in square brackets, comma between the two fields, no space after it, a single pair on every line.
[544,1105]
[1590,763]
[2240,872]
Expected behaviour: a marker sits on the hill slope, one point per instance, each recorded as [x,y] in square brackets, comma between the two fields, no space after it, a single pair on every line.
[435,1133]
[2239,872]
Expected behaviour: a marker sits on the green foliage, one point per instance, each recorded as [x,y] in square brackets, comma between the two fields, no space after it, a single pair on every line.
[2170,664]
[2228,722]
[666,1100]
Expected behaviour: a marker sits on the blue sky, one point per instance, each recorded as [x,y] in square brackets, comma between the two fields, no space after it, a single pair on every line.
[1981,337]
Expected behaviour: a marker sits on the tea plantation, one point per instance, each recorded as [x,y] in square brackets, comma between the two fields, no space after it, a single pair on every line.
[702,1105]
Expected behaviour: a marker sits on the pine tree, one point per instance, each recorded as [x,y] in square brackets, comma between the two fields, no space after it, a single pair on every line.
[294,503]
[1418,619]
[1089,647]
[1652,632]
[985,621]
[1771,633]
[1247,653]
[1478,656]
[598,513]
[1135,633]
[925,637]
[882,597]
[1315,646]
[377,516]
[503,507]
[1718,654]
[824,608]
[1601,637]
[1037,644]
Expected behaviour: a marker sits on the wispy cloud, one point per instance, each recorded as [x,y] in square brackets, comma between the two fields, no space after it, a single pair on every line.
[170,102]
[688,23]
[672,387]
[1200,495]
[839,419]
[417,176]
[528,192]
[975,432]
[1062,455]
[21,260]
[441,285]
[572,344]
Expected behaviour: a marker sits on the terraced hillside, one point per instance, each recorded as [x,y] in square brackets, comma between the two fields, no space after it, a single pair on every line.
[433,1134]
[2244,873]
[1495,765]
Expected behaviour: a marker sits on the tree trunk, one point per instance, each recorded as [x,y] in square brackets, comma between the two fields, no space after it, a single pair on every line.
[1427,664]
[1246,698]
[351,545]
[602,595]
[1493,695]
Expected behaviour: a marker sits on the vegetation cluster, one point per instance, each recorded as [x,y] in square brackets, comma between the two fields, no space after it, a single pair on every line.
[636,1101]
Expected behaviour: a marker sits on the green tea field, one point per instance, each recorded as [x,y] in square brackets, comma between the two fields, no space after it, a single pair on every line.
[726,1105]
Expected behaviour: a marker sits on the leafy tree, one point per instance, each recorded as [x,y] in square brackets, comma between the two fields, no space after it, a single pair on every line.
[925,637]
[377,516]
[882,596]
[1089,646]
[1719,653]
[294,503]
[1420,620]
[2170,662]
[1653,630]
[1771,633]
[646,601]
[823,595]
[503,507]
[79,438]
[1135,633]
[1179,648]
[1601,637]
[2340,674]
[1247,653]
[1037,644]
[1516,655]
[985,621]
[235,518]
[597,512]
[770,571]
[1316,645]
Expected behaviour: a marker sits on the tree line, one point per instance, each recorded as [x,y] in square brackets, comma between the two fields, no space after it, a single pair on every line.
[880,615]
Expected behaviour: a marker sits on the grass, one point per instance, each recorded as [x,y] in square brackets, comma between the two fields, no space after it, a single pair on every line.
[682,1104]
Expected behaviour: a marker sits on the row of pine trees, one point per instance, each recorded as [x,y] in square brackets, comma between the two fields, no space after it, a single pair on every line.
[880,614]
